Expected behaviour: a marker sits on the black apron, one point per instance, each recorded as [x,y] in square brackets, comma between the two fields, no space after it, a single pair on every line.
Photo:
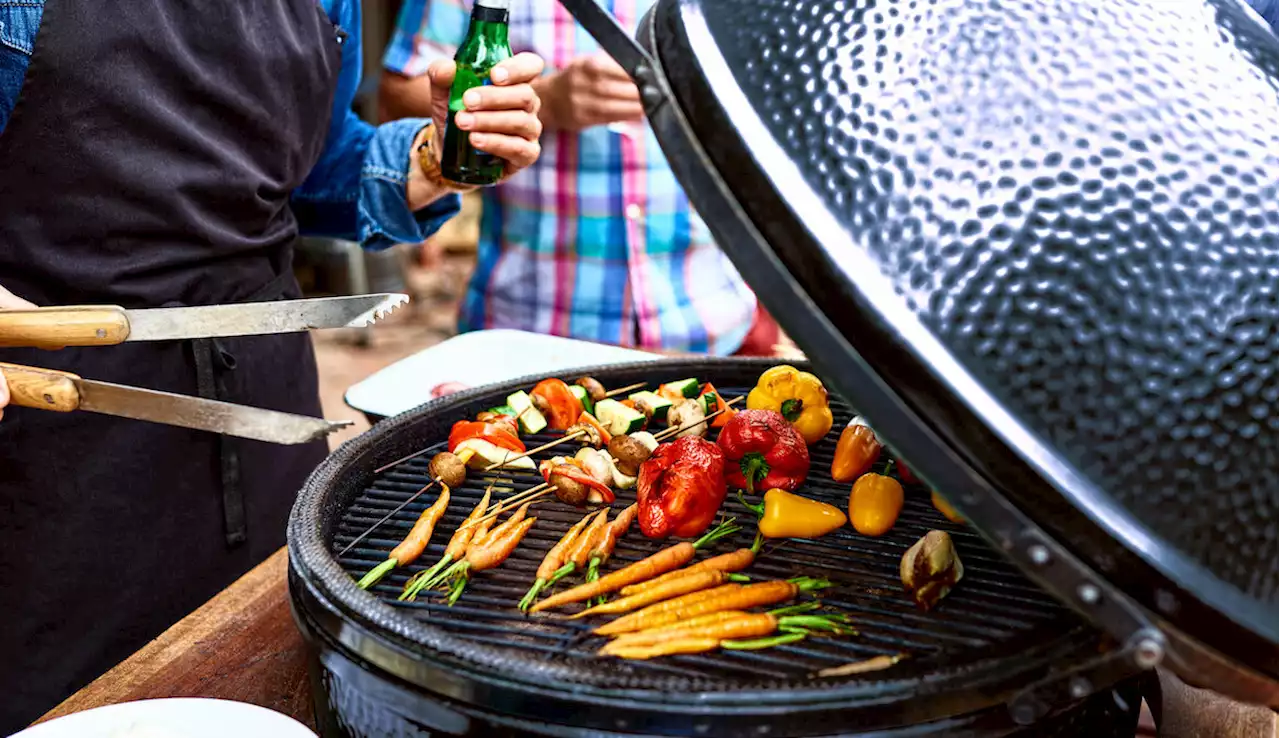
[149,163]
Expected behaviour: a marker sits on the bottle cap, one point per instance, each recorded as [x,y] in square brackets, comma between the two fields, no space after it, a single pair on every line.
[495,4]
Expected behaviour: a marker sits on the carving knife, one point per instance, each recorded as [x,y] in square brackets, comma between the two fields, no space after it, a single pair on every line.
[108,325]
[46,389]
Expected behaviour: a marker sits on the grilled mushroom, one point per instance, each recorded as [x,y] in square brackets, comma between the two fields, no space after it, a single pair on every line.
[590,436]
[568,490]
[540,403]
[594,389]
[628,454]
[685,412]
[645,408]
[448,468]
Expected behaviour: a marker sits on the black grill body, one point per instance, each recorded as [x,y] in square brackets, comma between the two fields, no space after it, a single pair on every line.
[1007,233]
[991,660]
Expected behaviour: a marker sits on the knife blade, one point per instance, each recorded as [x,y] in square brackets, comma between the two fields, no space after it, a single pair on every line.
[108,325]
[47,389]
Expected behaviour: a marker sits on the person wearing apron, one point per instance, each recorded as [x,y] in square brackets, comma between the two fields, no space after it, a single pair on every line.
[151,159]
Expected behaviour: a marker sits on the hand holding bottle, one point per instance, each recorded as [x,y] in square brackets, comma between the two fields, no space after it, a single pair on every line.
[590,91]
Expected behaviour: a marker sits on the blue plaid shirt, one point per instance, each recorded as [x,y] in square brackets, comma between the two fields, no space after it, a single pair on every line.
[596,240]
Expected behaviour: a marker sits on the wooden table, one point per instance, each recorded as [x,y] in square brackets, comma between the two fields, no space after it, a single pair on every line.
[243,645]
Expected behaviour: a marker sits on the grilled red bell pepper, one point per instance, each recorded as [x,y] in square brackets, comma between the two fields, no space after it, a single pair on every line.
[563,407]
[681,488]
[498,434]
[573,470]
[763,451]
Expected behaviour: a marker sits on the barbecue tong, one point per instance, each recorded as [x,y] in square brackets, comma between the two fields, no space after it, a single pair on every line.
[106,325]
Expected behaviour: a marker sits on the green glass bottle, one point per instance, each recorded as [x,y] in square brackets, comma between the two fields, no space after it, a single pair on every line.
[486,45]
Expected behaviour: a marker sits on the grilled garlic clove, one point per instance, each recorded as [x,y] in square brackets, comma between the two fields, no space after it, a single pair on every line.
[930,568]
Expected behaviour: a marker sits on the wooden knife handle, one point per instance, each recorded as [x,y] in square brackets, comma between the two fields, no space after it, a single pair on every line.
[42,389]
[57,327]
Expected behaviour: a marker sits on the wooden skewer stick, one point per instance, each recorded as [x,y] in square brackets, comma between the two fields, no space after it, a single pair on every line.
[416,454]
[628,388]
[387,517]
[669,432]
[549,444]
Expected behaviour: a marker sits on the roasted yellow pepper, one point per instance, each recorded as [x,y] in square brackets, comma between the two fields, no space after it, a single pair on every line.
[784,515]
[799,396]
[875,503]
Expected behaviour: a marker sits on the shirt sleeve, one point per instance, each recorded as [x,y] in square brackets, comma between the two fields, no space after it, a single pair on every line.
[426,30]
[357,188]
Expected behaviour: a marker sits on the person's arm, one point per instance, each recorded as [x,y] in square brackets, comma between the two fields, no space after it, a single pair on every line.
[368,185]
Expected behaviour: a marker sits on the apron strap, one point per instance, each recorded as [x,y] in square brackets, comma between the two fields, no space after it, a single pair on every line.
[213,362]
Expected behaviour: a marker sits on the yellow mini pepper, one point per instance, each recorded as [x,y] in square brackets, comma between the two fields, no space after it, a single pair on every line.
[799,396]
[784,515]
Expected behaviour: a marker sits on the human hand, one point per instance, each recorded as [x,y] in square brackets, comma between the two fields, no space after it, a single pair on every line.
[590,91]
[9,301]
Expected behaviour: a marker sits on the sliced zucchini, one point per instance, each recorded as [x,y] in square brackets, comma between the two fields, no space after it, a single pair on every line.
[618,418]
[685,387]
[584,397]
[659,405]
[531,420]
[503,410]
[710,402]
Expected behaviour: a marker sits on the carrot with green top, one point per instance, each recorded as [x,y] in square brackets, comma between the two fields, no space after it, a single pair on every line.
[731,562]
[603,549]
[413,544]
[686,627]
[669,558]
[553,562]
[733,633]
[580,552]
[488,552]
[726,597]
[694,582]
[456,549]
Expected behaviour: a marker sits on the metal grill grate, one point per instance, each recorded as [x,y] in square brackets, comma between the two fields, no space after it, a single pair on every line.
[993,606]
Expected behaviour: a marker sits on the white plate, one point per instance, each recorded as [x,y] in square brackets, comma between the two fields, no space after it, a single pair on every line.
[481,357]
[172,718]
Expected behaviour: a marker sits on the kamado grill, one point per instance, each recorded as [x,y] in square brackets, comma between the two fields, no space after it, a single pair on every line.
[1035,245]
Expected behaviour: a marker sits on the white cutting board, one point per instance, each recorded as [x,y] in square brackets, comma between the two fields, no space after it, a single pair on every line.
[478,358]
[172,718]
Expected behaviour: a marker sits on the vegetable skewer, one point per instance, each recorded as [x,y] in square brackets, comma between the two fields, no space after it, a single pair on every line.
[725,597]
[413,544]
[669,558]
[456,549]
[552,562]
[443,471]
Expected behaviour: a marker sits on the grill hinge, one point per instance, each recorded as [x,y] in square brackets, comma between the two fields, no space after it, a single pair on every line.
[1143,650]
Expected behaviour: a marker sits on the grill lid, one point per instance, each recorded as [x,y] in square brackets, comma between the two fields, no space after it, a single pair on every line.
[1037,244]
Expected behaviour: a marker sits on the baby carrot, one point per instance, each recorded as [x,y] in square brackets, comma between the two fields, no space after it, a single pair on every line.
[688,626]
[744,632]
[490,552]
[671,557]
[413,544]
[733,561]
[744,625]
[727,597]
[552,562]
[456,549]
[695,582]
[580,551]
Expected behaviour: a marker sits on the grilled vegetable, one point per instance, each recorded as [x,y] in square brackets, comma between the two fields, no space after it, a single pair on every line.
[799,396]
[681,488]
[413,544]
[489,551]
[725,597]
[584,398]
[712,401]
[733,561]
[531,419]
[617,418]
[482,454]
[555,400]
[628,454]
[875,663]
[671,557]
[930,568]
[945,507]
[687,388]
[685,414]
[857,449]
[580,552]
[574,485]
[502,435]
[553,562]
[874,504]
[690,638]
[595,391]
[694,582]
[597,434]
[784,515]
[763,451]
[448,468]
[456,549]
[603,549]
[654,407]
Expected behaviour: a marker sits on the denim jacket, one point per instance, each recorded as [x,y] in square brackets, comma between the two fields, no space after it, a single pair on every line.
[355,191]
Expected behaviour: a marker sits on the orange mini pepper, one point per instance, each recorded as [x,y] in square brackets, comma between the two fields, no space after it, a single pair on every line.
[874,504]
[857,449]
[945,508]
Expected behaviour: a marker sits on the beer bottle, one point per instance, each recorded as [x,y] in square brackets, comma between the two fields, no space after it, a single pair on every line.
[486,45]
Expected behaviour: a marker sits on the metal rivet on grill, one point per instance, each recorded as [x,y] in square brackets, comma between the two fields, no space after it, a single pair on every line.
[1038,554]
[1088,593]
[1148,654]
[1080,688]
[101,333]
